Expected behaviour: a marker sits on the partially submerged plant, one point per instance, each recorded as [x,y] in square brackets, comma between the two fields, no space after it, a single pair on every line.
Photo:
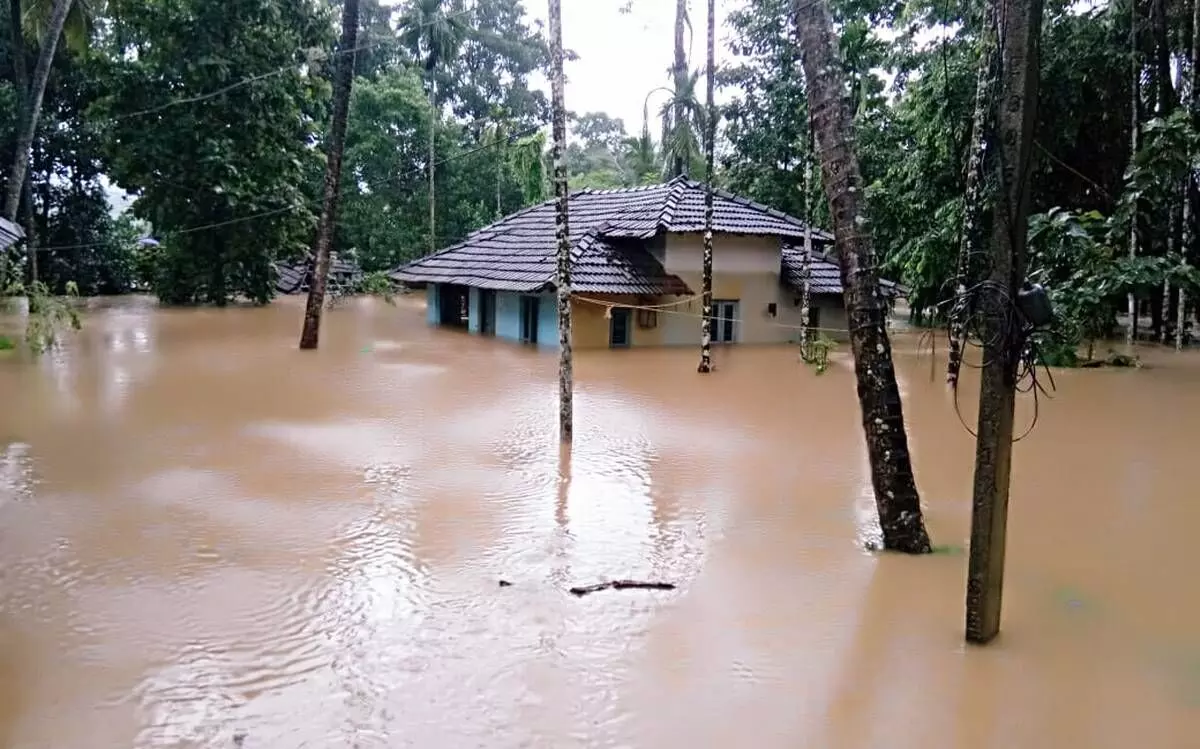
[49,316]
[816,352]
[378,284]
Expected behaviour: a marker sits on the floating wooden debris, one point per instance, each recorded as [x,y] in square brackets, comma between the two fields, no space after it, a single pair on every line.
[583,590]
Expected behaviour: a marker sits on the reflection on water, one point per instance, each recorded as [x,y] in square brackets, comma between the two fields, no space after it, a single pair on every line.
[205,532]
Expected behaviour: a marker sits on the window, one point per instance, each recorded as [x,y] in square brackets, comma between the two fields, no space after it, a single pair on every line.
[618,327]
[724,324]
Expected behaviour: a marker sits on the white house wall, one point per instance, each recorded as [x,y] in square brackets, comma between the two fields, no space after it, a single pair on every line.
[745,268]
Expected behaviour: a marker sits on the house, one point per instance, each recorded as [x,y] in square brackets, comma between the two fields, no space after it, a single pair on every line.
[293,278]
[636,272]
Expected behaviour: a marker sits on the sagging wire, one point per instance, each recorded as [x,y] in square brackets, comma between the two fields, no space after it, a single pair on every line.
[1020,320]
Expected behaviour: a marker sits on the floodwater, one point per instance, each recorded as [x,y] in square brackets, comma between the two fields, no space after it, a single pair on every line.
[208,537]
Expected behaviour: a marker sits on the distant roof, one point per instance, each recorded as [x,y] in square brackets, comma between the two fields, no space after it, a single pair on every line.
[517,253]
[293,277]
[10,234]
[825,276]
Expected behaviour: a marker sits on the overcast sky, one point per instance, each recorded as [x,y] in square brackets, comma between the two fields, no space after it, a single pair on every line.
[622,57]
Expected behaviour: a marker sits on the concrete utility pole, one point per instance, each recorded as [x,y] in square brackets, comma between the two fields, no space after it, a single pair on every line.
[1019,23]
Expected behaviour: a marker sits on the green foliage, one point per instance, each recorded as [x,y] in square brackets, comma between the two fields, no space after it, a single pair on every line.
[377,284]
[606,157]
[1087,278]
[816,352]
[190,165]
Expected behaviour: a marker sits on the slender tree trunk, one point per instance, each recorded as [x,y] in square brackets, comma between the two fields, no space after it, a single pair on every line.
[500,158]
[974,233]
[896,495]
[806,261]
[1012,141]
[433,122]
[33,108]
[1165,106]
[29,98]
[710,135]
[561,226]
[1191,82]
[31,235]
[343,82]
[680,75]
[1135,125]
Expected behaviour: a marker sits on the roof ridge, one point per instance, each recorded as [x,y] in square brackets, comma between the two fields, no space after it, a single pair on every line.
[671,202]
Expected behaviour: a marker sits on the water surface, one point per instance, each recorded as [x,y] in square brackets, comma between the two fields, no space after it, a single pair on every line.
[205,532]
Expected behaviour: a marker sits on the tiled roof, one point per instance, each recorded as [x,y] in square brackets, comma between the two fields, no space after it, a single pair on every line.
[621,266]
[825,277]
[10,234]
[517,253]
[293,277]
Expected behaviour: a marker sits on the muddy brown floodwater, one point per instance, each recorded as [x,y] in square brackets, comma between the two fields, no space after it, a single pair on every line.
[206,533]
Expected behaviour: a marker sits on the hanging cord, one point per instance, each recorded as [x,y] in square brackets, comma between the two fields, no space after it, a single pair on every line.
[609,305]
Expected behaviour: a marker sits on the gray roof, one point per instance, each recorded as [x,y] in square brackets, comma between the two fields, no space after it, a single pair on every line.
[291,278]
[607,227]
[10,234]
[825,276]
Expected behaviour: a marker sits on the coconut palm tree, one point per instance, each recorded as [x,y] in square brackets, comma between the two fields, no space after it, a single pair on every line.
[679,75]
[558,154]
[342,82]
[710,136]
[433,35]
[892,478]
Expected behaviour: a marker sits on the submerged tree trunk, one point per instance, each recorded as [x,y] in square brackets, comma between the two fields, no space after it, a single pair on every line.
[977,192]
[343,81]
[895,488]
[679,70]
[33,108]
[710,134]
[561,225]
[1191,82]
[1012,141]
[806,261]
[1135,105]
[21,87]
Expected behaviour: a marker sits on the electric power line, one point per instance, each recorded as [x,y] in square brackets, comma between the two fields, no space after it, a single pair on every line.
[270,74]
[315,202]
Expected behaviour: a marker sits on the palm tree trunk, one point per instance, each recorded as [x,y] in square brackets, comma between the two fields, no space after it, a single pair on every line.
[896,495]
[343,82]
[710,135]
[1011,141]
[500,157]
[561,226]
[29,98]
[806,262]
[1135,98]
[33,108]
[680,75]
[1191,82]
[433,121]
[976,190]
